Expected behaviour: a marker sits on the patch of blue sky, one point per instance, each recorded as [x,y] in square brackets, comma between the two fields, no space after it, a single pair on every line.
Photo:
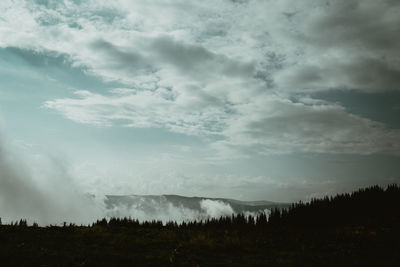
[378,106]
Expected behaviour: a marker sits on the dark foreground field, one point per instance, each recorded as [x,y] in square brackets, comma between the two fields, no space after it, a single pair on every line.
[359,229]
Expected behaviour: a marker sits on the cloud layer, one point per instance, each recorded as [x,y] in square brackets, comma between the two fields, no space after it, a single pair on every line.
[196,68]
[145,209]
[348,45]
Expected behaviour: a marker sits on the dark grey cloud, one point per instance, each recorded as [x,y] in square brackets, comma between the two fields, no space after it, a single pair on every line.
[349,44]
[154,53]
[194,58]
[310,126]
[362,73]
[119,57]
[371,25]
[184,56]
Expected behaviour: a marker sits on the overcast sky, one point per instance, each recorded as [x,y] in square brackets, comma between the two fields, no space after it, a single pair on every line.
[276,100]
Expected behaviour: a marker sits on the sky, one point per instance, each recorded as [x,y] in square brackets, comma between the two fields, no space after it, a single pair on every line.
[252,100]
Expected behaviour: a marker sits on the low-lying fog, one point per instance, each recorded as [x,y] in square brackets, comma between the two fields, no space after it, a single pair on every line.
[46,194]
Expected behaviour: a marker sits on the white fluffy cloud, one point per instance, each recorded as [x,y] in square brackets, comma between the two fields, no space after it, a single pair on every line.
[228,69]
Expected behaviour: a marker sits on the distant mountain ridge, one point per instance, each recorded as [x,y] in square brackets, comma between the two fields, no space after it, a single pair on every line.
[148,202]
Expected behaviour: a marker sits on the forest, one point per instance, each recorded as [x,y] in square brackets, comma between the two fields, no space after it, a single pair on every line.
[351,229]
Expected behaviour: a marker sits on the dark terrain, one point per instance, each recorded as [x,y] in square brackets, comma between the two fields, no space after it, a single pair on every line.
[358,229]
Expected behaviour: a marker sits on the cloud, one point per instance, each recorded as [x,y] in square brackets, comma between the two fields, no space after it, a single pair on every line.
[320,42]
[367,74]
[159,208]
[119,58]
[215,208]
[282,126]
[346,45]
[268,125]
[41,189]
[44,195]
[140,109]
[198,61]
[194,68]
[150,209]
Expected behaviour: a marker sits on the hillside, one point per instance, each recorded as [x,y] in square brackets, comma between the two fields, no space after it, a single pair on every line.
[357,229]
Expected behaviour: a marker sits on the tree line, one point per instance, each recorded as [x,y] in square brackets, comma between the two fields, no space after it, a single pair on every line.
[371,205]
